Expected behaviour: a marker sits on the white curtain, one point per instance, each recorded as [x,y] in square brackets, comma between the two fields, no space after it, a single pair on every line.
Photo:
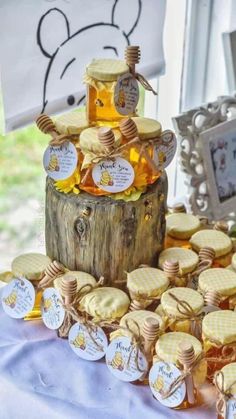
[46,44]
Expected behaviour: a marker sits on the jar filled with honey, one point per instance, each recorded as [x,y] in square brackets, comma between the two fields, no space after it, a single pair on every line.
[225,383]
[176,352]
[179,229]
[221,280]
[219,338]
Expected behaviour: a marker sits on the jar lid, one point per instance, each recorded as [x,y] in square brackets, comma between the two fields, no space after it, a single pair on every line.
[30,265]
[193,298]
[105,303]
[147,128]
[106,69]
[229,372]
[219,241]
[218,279]
[181,225]
[187,259]
[150,282]
[220,326]
[167,345]
[233,262]
[82,278]
[71,123]
[89,140]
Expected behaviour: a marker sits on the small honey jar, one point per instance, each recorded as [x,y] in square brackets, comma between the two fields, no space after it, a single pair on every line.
[222,281]
[72,123]
[219,337]
[225,383]
[179,229]
[182,350]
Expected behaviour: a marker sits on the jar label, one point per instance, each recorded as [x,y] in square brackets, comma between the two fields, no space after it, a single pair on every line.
[88,343]
[164,152]
[51,308]
[113,175]
[18,298]
[231,409]
[161,376]
[126,94]
[60,162]
[125,361]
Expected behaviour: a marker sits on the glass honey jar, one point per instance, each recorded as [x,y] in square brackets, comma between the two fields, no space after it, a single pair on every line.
[179,229]
[225,383]
[221,280]
[176,348]
[219,339]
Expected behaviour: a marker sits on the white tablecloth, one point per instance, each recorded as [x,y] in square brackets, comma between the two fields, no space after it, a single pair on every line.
[41,378]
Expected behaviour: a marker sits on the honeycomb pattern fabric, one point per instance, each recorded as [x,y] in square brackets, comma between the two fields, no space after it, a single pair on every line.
[218,279]
[220,326]
[30,265]
[105,303]
[147,128]
[187,259]
[147,281]
[82,279]
[233,262]
[71,123]
[229,372]
[182,226]
[218,240]
[193,298]
[106,69]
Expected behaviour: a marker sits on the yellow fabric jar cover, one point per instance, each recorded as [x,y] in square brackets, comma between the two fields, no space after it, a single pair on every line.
[91,146]
[147,128]
[181,225]
[187,259]
[30,265]
[218,240]
[229,372]
[219,327]
[71,123]
[218,279]
[137,316]
[105,303]
[102,72]
[233,262]
[82,278]
[167,351]
[147,282]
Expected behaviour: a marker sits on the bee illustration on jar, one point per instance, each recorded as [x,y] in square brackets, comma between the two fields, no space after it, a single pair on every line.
[53,164]
[117,362]
[79,341]
[106,179]
[11,299]
[158,385]
[99,102]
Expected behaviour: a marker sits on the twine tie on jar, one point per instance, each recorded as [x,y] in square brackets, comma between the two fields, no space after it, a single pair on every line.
[223,394]
[137,343]
[54,270]
[132,57]
[47,126]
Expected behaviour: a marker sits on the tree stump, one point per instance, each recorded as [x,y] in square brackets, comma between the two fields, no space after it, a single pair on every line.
[102,236]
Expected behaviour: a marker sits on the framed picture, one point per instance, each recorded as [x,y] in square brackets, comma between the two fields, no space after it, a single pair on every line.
[207,156]
[219,151]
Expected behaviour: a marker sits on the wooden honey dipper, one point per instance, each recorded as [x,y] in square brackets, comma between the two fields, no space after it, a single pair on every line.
[52,271]
[186,356]
[212,298]
[221,226]
[177,208]
[107,138]
[136,305]
[69,289]
[129,129]
[132,56]
[47,126]
[206,253]
[150,332]
[171,269]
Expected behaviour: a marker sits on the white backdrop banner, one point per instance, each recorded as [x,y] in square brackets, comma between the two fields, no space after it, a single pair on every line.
[46,44]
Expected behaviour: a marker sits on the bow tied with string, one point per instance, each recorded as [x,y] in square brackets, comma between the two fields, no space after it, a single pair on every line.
[224,394]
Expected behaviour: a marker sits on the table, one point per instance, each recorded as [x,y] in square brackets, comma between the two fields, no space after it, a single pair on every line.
[41,378]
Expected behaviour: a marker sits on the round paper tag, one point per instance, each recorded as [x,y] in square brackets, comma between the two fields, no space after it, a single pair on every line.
[161,376]
[18,298]
[52,311]
[126,94]
[60,162]
[123,362]
[165,152]
[231,409]
[88,344]
[113,176]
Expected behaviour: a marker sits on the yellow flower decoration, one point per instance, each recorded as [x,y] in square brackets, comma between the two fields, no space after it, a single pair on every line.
[71,184]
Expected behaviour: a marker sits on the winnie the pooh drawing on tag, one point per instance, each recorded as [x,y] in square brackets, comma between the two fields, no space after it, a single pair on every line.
[79,341]
[11,299]
[53,164]
[106,179]
[117,362]
[67,55]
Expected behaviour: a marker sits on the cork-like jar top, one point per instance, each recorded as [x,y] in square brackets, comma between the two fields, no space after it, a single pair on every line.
[147,281]
[147,128]
[71,123]
[218,279]
[167,345]
[217,240]
[30,265]
[105,303]
[106,69]
[82,278]
[187,259]
[192,297]
[181,225]
[220,326]
[229,372]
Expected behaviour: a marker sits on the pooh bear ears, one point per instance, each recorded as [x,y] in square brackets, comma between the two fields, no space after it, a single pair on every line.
[54,28]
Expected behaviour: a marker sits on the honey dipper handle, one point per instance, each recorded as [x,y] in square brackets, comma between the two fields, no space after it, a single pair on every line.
[186,356]
[150,331]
